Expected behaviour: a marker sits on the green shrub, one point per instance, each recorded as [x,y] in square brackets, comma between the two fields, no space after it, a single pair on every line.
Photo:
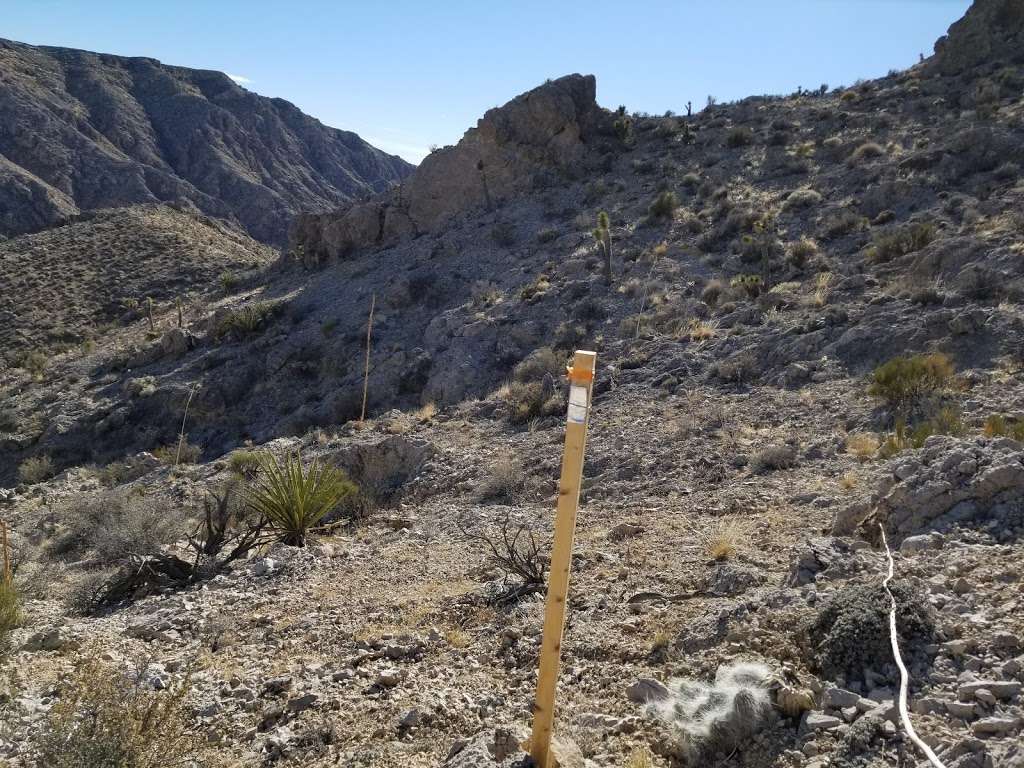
[36,469]
[105,719]
[244,463]
[740,136]
[228,282]
[35,363]
[294,499]
[904,383]
[842,223]
[900,241]
[175,453]
[664,205]
[530,400]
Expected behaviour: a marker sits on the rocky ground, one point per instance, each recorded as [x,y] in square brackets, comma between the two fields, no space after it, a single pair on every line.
[740,467]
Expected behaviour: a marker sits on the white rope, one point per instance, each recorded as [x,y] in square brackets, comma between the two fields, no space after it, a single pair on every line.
[904,675]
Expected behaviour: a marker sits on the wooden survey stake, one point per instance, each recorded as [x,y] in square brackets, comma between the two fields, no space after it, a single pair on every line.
[581,385]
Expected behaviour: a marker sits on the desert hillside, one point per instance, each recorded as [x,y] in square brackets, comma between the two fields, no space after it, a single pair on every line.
[81,131]
[808,314]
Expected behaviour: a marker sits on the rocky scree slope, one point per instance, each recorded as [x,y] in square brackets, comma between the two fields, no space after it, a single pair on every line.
[82,130]
[70,284]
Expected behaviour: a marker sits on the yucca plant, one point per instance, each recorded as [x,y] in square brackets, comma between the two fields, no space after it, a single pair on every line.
[294,499]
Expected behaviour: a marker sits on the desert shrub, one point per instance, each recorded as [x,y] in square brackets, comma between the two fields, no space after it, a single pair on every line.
[739,367]
[530,400]
[505,479]
[10,609]
[690,181]
[801,198]
[740,136]
[35,363]
[946,421]
[717,718]
[980,283]
[248,320]
[117,524]
[514,550]
[712,292]
[540,363]
[841,224]
[104,718]
[294,499]
[228,282]
[548,234]
[504,234]
[801,251]
[900,241]
[36,469]
[8,419]
[905,383]
[664,206]
[722,539]
[867,151]
[535,290]
[851,631]
[178,453]
[244,463]
[998,425]
[773,457]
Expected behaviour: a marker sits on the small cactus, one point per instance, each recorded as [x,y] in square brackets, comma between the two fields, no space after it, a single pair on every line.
[717,717]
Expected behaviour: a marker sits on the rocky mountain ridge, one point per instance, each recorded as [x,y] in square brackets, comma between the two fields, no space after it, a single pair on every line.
[82,130]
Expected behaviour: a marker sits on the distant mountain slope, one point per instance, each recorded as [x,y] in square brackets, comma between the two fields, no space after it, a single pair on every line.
[61,285]
[82,130]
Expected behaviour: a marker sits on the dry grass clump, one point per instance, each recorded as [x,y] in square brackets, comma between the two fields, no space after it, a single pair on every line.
[802,198]
[505,479]
[36,469]
[426,412]
[772,458]
[700,330]
[10,611]
[998,425]
[106,719]
[740,136]
[723,539]
[862,445]
[848,481]
[867,151]
[640,757]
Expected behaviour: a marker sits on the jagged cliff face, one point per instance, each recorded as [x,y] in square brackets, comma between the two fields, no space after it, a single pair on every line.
[511,148]
[990,33]
[80,130]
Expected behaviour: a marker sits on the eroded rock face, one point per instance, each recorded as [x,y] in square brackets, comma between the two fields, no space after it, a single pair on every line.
[991,31]
[81,131]
[951,481]
[543,129]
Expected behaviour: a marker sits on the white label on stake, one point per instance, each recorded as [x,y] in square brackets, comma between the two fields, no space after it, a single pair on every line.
[577,404]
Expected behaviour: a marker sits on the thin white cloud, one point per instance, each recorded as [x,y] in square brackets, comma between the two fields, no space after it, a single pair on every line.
[414,153]
[240,79]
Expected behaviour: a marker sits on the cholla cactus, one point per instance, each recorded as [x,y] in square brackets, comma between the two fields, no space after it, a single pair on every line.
[720,716]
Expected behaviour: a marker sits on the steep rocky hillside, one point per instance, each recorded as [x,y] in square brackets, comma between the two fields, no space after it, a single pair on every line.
[81,130]
[67,285]
[811,338]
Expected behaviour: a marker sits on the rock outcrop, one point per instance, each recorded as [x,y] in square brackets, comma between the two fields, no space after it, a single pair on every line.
[81,130]
[541,130]
[991,32]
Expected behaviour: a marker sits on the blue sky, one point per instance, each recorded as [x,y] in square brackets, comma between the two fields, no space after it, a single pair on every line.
[406,75]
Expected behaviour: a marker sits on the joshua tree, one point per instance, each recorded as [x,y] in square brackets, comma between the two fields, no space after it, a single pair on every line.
[604,242]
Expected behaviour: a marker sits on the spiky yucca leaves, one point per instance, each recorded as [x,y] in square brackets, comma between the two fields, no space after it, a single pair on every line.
[294,499]
[718,717]
[603,236]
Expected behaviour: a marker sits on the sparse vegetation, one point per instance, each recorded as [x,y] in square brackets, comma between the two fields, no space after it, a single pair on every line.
[515,551]
[103,718]
[36,469]
[740,136]
[664,206]
[904,383]
[867,151]
[801,251]
[997,425]
[900,241]
[244,463]
[863,445]
[248,320]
